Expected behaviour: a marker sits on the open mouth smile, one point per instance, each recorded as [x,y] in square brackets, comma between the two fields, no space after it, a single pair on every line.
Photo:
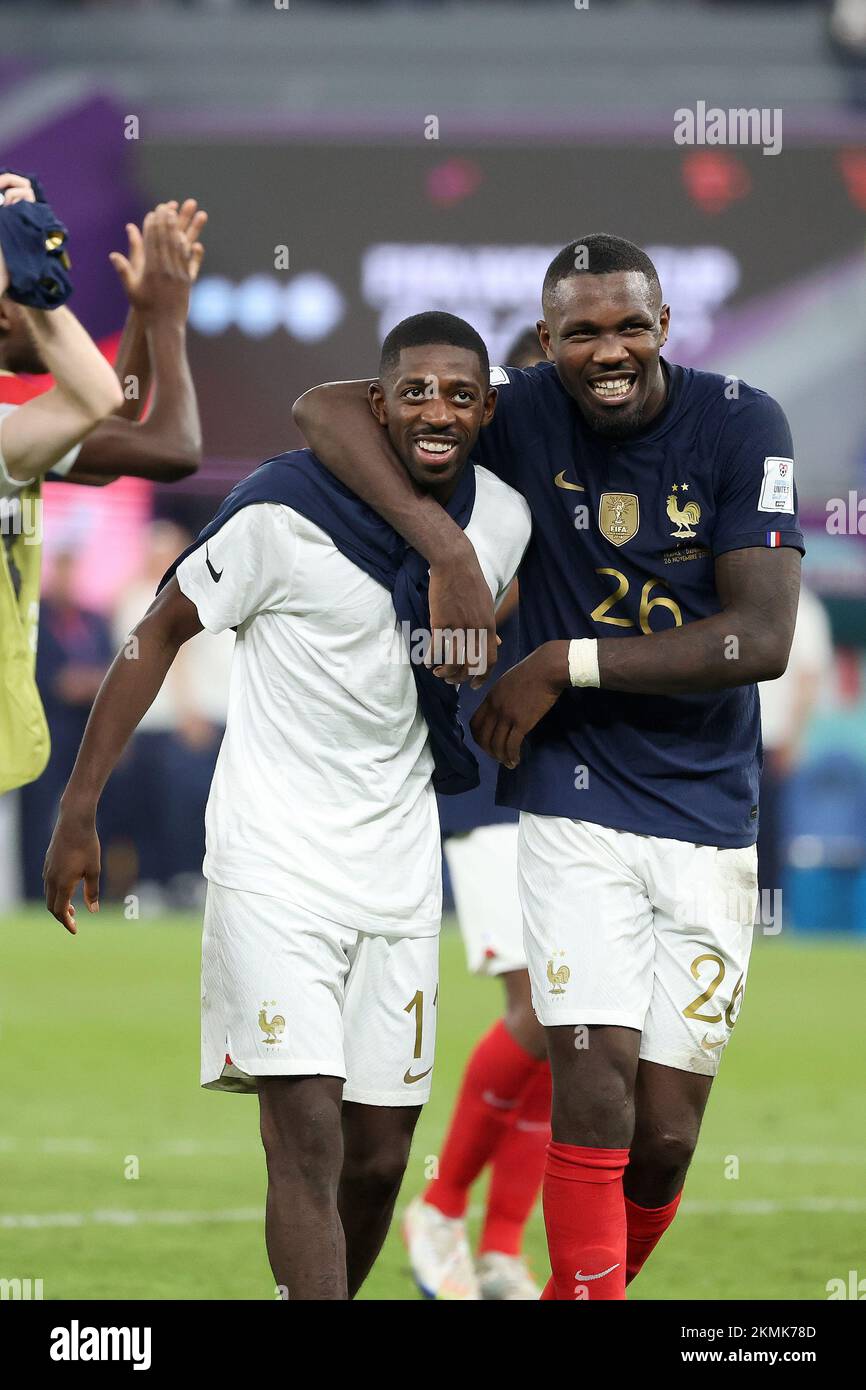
[435,450]
[614,390]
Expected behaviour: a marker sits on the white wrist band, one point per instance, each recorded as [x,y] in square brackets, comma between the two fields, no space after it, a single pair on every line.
[583,661]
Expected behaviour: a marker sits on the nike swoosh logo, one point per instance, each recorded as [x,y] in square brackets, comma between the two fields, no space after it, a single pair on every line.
[584,1277]
[409,1078]
[562,481]
[216,577]
[706,1043]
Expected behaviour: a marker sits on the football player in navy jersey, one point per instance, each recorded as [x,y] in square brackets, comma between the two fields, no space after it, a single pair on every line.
[501,1118]
[660,585]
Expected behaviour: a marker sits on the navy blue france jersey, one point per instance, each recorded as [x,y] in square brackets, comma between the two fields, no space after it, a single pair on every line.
[624,538]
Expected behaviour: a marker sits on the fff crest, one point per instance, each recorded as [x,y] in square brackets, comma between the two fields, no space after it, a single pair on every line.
[618,516]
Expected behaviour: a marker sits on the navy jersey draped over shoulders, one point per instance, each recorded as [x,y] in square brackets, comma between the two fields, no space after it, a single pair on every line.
[625,536]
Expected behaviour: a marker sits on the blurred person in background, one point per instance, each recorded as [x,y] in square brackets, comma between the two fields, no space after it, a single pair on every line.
[787,707]
[56,431]
[35,436]
[502,1115]
[63,431]
[75,651]
[163,444]
[156,797]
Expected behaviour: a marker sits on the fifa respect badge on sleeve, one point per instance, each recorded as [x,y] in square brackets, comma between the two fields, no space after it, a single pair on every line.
[777,490]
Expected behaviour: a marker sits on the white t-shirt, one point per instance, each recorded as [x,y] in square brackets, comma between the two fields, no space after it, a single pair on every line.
[322,793]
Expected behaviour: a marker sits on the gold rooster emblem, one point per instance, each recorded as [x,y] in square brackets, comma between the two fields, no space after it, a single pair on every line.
[685,518]
[274,1028]
[558,977]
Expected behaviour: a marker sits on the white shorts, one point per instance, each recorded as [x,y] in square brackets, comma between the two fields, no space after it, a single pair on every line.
[641,932]
[483,869]
[286,993]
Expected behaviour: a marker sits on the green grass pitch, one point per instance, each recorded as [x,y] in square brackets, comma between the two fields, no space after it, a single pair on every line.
[99,1049]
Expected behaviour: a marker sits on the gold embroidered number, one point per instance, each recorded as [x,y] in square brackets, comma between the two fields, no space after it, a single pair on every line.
[691,1010]
[599,614]
[647,603]
[417,1003]
[729,1011]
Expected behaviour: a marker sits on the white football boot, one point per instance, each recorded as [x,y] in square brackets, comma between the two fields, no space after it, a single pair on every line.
[505,1277]
[439,1253]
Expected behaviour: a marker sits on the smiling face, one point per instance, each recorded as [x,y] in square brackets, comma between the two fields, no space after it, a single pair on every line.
[433,403]
[605,333]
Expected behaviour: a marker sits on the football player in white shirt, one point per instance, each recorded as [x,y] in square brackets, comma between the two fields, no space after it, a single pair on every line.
[320,949]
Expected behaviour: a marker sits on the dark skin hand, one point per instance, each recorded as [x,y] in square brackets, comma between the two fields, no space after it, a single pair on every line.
[137,273]
[748,641]
[124,697]
[163,263]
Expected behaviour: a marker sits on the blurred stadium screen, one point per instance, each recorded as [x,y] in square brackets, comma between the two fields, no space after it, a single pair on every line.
[383,230]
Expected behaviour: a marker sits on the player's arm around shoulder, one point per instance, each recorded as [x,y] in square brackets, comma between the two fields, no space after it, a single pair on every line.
[129,689]
[339,427]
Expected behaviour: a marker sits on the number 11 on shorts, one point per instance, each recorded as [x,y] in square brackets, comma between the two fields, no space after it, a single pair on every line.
[417,1003]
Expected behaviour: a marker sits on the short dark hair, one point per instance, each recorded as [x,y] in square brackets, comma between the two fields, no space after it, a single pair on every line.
[597,254]
[435,326]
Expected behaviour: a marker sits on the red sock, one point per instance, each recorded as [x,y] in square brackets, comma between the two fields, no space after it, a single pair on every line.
[495,1077]
[584,1212]
[518,1167]
[646,1226]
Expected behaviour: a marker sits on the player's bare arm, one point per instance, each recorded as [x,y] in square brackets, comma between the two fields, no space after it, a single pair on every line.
[125,695]
[136,275]
[336,422]
[40,432]
[747,641]
[163,262]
